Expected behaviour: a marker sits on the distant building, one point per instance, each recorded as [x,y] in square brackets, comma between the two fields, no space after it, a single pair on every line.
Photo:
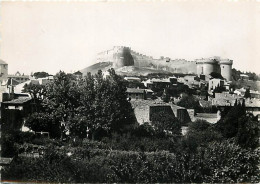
[13,113]
[20,78]
[214,83]
[144,109]
[206,66]
[223,100]
[135,94]
[244,77]
[133,79]
[3,71]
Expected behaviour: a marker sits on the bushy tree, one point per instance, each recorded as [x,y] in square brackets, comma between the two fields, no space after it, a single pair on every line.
[189,102]
[90,105]
[40,74]
[166,123]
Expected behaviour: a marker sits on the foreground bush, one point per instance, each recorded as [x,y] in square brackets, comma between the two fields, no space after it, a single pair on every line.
[219,162]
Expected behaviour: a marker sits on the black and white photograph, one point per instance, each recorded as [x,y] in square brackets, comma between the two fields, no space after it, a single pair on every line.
[130,91]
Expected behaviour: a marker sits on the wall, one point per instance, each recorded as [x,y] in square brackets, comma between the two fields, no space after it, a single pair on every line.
[125,56]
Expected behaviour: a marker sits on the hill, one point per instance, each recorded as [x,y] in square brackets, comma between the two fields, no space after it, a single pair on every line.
[125,70]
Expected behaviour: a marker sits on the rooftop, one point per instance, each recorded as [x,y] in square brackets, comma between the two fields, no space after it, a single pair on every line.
[134,90]
[19,100]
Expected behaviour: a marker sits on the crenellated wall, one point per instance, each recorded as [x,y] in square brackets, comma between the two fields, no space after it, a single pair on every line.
[124,56]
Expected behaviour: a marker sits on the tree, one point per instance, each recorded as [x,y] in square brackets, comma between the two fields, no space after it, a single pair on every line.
[166,123]
[247,93]
[189,102]
[216,75]
[166,96]
[248,132]
[226,162]
[40,74]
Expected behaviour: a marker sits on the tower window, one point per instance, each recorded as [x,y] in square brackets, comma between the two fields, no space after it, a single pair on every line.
[223,66]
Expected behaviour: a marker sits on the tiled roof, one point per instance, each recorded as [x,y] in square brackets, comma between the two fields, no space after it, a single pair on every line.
[160,80]
[134,90]
[149,90]
[19,100]
[132,78]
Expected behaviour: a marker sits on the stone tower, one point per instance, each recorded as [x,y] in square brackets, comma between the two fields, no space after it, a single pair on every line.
[206,66]
[226,68]
[122,57]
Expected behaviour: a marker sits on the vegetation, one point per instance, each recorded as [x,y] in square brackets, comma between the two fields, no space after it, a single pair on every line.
[105,144]
[40,74]
[189,102]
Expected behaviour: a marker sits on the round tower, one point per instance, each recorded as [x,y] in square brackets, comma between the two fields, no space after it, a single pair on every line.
[207,66]
[122,57]
[226,68]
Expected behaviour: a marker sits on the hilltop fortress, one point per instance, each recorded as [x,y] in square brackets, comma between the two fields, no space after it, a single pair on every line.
[120,56]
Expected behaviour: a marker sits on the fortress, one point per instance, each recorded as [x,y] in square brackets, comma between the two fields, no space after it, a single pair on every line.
[215,64]
[120,56]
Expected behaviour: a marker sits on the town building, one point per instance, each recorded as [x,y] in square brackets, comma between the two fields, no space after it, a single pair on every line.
[135,94]
[3,71]
[13,113]
[20,78]
[244,77]
[144,110]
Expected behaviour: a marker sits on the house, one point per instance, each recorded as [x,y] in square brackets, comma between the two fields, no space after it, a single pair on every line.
[173,80]
[135,93]
[19,77]
[14,111]
[223,100]
[244,77]
[133,79]
[134,82]
[144,110]
[161,83]
[148,93]
[214,83]
[148,84]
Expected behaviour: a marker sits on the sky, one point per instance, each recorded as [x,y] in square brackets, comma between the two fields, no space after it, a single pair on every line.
[54,36]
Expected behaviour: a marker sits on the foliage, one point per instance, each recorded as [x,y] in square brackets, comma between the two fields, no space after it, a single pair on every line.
[199,134]
[166,123]
[229,163]
[40,74]
[247,93]
[241,126]
[220,162]
[92,106]
[216,75]
[189,102]
[43,122]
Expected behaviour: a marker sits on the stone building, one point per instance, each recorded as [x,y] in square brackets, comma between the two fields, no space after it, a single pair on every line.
[144,109]
[3,71]
[20,78]
[206,66]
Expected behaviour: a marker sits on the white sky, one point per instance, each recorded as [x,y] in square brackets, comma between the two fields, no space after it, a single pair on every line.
[53,36]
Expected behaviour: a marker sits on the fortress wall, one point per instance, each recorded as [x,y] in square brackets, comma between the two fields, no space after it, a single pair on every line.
[124,56]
